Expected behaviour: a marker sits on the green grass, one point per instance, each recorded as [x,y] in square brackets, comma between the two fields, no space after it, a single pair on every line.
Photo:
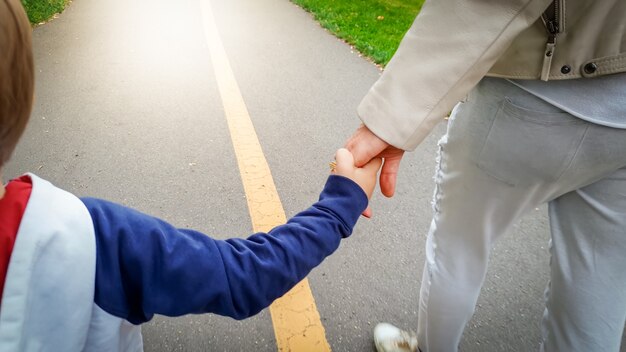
[374,27]
[42,10]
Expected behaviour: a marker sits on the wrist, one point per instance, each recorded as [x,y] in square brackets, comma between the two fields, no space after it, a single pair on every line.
[345,197]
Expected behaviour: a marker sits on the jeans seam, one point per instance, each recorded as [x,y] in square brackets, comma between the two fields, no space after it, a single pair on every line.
[546,318]
[571,161]
[479,162]
[437,195]
[518,112]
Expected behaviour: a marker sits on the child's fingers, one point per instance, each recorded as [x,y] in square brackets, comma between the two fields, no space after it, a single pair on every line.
[345,160]
[373,166]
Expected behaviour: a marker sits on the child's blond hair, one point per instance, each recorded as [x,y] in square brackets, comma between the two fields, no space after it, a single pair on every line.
[16,75]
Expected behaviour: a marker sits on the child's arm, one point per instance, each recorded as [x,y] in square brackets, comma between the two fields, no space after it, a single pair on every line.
[145,266]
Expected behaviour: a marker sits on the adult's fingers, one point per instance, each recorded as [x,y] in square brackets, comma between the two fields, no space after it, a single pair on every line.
[365,145]
[389,175]
[367,212]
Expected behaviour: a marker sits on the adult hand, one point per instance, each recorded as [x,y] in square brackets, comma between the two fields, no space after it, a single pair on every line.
[364,176]
[365,146]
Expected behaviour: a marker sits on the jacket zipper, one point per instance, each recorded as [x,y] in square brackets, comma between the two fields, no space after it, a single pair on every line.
[551,21]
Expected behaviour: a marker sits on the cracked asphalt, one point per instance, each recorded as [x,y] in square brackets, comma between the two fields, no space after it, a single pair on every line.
[127,108]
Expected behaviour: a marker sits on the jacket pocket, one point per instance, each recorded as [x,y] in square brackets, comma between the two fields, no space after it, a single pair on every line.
[525,147]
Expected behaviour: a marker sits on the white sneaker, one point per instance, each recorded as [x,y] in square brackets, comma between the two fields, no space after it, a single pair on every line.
[389,338]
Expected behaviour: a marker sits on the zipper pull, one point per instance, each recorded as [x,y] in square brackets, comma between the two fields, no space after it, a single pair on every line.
[547,60]
[553,29]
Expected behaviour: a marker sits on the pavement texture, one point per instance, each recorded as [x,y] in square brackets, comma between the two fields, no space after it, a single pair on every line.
[127,109]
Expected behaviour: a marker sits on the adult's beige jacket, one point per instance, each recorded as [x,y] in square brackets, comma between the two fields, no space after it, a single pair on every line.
[454,43]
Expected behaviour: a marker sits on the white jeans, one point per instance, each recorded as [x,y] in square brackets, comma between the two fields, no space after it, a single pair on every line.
[505,153]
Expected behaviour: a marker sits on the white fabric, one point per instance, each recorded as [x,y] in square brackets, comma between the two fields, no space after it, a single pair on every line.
[110,333]
[601,100]
[505,153]
[49,287]
[438,61]
[453,44]
[48,298]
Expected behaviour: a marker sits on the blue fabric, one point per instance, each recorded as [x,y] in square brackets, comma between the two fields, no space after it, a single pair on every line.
[146,266]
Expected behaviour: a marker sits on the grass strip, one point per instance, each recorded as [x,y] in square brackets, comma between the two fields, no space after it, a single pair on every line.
[39,11]
[373,27]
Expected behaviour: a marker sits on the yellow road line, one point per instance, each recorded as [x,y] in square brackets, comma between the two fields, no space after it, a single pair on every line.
[297,323]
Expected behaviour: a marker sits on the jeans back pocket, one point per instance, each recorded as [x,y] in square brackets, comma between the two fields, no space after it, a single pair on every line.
[524,147]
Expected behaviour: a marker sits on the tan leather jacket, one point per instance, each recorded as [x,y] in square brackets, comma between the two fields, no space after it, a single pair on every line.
[454,43]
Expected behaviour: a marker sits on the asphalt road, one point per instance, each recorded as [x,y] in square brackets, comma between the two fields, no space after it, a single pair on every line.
[127,109]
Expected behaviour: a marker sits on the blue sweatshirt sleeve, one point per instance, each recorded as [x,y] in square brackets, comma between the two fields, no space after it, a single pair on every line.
[146,266]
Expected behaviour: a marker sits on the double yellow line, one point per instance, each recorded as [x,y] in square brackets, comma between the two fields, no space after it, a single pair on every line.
[297,323]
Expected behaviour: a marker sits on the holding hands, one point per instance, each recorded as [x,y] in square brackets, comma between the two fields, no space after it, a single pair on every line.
[367,152]
[365,146]
[364,176]
[362,157]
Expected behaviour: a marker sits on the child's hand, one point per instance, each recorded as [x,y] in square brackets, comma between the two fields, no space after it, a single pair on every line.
[364,176]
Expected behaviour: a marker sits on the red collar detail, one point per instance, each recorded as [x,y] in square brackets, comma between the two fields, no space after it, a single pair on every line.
[12,207]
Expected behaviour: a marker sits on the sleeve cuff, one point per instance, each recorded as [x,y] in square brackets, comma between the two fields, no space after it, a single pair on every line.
[345,198]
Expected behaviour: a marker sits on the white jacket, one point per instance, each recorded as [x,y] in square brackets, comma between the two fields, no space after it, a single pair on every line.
[52,270]
[453,44]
